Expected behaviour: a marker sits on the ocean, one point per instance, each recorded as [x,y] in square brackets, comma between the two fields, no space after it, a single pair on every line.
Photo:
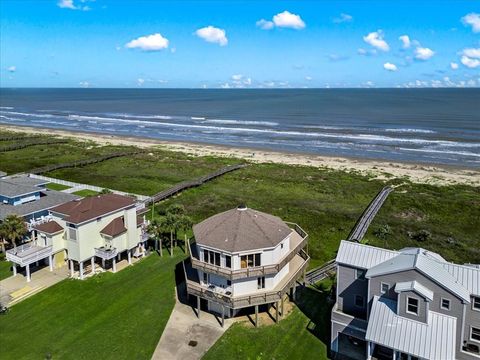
[431,126]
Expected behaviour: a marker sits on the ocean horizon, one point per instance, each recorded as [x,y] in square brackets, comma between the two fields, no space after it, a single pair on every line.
[431,126]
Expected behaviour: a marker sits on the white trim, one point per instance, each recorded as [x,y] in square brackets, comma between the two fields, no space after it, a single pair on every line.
[473,303]
[449,304]
[406,306]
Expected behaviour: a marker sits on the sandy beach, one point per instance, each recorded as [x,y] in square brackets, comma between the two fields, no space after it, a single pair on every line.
[418,173]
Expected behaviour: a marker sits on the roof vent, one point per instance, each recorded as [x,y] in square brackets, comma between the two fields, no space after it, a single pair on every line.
[242,207]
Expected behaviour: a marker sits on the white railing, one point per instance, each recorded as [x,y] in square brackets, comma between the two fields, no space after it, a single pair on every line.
[106,254]
[37,221]
[85,186]
[28,253]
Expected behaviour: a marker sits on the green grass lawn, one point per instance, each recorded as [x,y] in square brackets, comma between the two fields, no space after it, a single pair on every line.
[303,334]
[58,187]
[85,193]
[5,268]
[108,316]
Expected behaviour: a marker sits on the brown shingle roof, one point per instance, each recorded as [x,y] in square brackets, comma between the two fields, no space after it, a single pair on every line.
[114,227]
[78,211]
[241,230]
[51,227]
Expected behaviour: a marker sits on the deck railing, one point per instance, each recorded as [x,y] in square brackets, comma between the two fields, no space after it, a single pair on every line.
[106,254]
[252,271]
[28,253]
[236,302]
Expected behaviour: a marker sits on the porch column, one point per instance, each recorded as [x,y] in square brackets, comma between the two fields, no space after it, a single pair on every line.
[92,264]
[14,269]
[114,265]
[304,276]
[129,255]
[118,256]
[198,307]
[276,312]
[223,315]
[50,262]
[256,315]
[369,350]
[28,273]
[81,269]
[71,267]
[294,293]
[103,263]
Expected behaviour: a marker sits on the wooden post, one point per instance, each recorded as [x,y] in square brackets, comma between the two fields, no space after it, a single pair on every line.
[294,293]
[256,315]
[282,308]
[71,268]
[129,255]
[198,307]
[114,265]
[276,312]
[223,315]
[81,269]
[92,264]
[103,263]
[14,269]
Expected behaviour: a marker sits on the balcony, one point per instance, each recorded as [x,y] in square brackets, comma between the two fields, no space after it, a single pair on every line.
[28,253]
[106,253]
[298,265]
[298,240]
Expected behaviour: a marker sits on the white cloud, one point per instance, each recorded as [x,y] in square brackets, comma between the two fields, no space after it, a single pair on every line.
[265,24]
[239,81]
[469,62]
[308,78]
[237,77]
[405,41]
[140,82]
[213,35]
[422,53]
[390,67]
[472,53]
[288,20]
[343,18]
[365,52]
[154,42]
[454,66]
[12,68]
[84,84]
[375,39]
[473,20]
[69,4]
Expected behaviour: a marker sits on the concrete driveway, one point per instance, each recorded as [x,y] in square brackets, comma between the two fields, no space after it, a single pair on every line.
[16,288]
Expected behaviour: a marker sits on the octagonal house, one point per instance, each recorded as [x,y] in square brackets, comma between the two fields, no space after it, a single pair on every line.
[245,258]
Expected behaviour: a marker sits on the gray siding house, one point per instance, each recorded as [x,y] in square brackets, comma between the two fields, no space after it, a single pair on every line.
[407,304]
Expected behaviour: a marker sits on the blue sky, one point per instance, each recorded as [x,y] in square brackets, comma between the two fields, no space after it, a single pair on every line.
[102,43]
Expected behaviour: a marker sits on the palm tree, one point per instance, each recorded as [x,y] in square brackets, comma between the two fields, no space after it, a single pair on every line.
[155,228]
[185,223]
[170,224]
[176,211]
[13,228]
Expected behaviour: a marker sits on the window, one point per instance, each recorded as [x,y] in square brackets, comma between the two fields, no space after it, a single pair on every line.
[359,301]
[229,282]
[475,334]
[228,261]
[412,306]
[205,278]
[261,282]
[281,246]
[72,234]
[211,257]
[360,274]
[476,303]
[445,304]
[384,287]
[250,260]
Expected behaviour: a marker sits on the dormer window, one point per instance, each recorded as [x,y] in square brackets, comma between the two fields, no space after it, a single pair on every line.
[412,306]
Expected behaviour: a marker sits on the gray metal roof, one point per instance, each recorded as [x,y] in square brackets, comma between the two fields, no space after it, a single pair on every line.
[461,279]
[49,199]
[11,189]
[432,340]
[26,180]
[414,286]
[2,174]
[239,230]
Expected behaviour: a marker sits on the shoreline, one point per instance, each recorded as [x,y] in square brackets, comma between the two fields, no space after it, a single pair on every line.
[380,169]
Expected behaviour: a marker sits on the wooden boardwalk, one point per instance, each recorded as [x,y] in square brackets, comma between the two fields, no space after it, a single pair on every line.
[33,143]
[361,227]
[193,183]
[357,234]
